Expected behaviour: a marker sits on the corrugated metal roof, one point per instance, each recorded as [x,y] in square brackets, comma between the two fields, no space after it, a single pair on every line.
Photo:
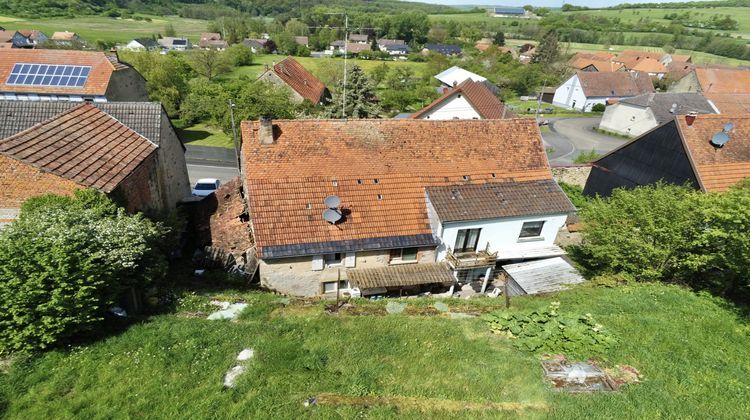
[401,275]
[542,276]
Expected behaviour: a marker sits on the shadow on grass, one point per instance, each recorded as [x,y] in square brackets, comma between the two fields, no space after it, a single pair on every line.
[189,136]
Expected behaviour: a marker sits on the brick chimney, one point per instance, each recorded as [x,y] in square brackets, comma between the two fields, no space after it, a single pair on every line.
[265,133]
[690,118]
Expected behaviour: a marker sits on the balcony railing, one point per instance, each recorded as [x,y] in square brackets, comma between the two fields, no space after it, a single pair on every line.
[468,260]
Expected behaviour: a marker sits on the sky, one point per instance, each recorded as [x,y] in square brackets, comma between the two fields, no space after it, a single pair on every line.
[544,3]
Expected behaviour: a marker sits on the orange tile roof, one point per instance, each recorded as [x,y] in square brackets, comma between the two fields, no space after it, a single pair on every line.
[485,103]
[730,103]
[97,83]
[84,145]
[649,65]
[723,80]
[717,168]
[601,65]
[302,81]
[379,168]
[681,57]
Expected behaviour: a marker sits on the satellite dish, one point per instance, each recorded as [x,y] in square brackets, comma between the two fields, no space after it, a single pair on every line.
[673,109]
[332,202]
[331,216]
[728,127]
[720,139]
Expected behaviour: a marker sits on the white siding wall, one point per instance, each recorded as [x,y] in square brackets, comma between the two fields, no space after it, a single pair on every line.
[455,107]
[502,234]
[627,119]
[570,94]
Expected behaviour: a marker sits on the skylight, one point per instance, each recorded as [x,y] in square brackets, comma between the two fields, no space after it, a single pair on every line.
[48,75]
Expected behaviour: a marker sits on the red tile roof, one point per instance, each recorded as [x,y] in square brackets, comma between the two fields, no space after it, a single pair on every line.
[97,83]
[485,103]
[717,168]
[730,103]
[723,80]
[302,81]
[84,145]
[379,168]
[615,83]
[649,65]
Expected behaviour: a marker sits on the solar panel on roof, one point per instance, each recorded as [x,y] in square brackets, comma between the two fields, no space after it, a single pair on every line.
[179,42]
[48,75]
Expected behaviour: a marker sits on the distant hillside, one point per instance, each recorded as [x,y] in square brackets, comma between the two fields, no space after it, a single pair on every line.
[189,8]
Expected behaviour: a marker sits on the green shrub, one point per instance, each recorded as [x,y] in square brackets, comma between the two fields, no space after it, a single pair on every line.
[547,331]
[575,194]
[64,262]
[671,233]
[598,108]
[586,157]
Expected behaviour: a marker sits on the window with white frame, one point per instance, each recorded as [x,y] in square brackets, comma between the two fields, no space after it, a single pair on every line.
[330,286]
[531,229]
[404,255]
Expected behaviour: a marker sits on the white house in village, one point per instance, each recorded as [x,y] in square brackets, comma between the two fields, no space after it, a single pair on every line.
[469,100]
[396,205]
[639,114]
[585,89]
[456,75]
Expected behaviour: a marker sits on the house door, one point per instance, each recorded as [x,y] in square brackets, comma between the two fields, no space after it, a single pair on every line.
[466,240]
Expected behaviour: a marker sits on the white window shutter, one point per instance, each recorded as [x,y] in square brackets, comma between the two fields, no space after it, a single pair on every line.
[317,262]
[351,259]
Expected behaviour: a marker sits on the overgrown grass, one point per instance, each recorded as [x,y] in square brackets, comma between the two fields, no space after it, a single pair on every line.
[692,350]
[586,157]
[204,135]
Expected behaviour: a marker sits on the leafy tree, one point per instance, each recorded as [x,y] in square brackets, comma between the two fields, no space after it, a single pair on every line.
[65,261]
[499,38]
[379,73]
[169,30]
[166,77]
[209,63]
[548,50]
[240,55]
[401,78]
[360,95]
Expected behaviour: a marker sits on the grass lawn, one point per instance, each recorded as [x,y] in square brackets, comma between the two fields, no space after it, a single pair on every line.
[314,65]
[693,352]
[204,135]
[92,28]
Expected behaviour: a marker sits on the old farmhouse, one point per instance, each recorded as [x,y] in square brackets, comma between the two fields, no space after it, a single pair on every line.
[124,148]
[374,206]
[301,83]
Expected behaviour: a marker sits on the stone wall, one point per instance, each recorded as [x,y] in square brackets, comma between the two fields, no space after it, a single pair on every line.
[175,181]
[295,276]
[141,188]
[574,175]
[127,85]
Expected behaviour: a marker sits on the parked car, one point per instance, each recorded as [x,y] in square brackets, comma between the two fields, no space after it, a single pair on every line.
[205,186]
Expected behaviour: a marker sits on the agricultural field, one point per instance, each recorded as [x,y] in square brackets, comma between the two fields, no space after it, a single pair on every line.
[740,14]
[93,28]
[691,350]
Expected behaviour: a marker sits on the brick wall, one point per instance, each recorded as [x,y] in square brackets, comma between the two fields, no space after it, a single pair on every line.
[20,181]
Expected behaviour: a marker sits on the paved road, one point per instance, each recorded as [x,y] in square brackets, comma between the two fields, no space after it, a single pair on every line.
[569,137]
[223,173]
